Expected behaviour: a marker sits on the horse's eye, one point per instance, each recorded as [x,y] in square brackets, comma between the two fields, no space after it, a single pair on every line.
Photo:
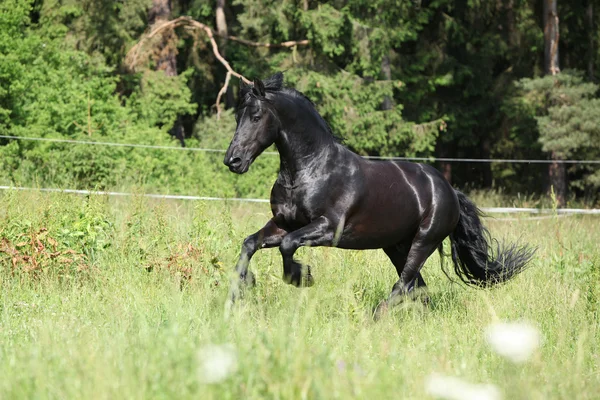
[256,118]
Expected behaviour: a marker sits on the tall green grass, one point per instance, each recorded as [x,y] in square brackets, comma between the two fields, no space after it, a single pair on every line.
[131,317]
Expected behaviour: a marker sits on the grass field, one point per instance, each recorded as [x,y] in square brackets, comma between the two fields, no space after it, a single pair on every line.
[107,299]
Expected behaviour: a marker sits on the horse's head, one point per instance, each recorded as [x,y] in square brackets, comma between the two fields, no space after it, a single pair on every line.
[257,124]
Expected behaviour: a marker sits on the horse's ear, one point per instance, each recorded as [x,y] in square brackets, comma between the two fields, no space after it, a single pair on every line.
[244,88]
[259,88]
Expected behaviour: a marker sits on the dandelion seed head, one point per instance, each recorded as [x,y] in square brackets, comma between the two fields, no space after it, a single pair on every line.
[516,341]
[216,363]
[453,388]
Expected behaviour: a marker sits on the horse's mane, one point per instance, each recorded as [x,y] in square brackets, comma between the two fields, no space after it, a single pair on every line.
[275,84]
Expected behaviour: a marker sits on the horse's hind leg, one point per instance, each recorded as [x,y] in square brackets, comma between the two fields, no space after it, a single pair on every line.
[410,277]
[398,254]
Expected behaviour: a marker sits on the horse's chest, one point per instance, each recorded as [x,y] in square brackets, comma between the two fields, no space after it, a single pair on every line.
[292,208]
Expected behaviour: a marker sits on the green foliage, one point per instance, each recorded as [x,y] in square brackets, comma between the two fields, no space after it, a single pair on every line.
[568,120]
[101,27]
[152,170]
[460,67]
[62,238]
[48,88]
[352,107]
[160,99]
[14,18]
[327,28]
[444,71]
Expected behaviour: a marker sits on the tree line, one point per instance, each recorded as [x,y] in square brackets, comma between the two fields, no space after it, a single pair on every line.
[511,79]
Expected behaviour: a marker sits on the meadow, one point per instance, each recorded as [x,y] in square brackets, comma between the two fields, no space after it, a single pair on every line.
[105,298]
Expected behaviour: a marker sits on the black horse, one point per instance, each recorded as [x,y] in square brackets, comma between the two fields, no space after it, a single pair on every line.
[326,195]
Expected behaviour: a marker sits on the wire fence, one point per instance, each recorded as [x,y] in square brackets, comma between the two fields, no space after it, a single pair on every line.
[271,153]
[488,210]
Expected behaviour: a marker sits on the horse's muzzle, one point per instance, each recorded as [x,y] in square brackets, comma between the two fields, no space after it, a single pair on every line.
[236,164]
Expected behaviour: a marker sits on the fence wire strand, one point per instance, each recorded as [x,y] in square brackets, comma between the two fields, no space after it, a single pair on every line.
[271,153]
[488,210]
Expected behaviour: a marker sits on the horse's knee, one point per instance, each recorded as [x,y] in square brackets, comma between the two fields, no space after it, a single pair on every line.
[287,247]
[250,245]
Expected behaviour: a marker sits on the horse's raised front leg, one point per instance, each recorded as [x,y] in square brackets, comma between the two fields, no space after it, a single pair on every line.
[320,232]
[269,236]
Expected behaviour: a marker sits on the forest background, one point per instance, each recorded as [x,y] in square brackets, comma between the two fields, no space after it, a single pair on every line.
[509,79]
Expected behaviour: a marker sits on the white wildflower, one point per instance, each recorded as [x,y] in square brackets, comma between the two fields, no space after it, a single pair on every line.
[516,341]
[452,388]
[216,363]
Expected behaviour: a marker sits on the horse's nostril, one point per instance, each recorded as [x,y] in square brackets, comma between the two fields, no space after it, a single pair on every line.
[235,162]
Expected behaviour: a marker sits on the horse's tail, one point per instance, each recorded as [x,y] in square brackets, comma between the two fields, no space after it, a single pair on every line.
[477,261]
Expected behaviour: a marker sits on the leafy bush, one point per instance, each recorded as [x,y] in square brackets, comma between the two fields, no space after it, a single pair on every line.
[49,89]
[564,114]
[353,109]
[64,237]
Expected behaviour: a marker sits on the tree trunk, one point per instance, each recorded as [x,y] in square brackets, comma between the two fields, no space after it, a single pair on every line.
[221,23]
[486,168]
[558,179]
[589,20]
[166,55]
[386,70]
[220,18]
[445,150]
[551,38]
[511,29]
[556,172]
[446,168]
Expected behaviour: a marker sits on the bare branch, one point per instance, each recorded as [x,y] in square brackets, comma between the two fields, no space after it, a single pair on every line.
[289,43]
[134,53]
[221,93]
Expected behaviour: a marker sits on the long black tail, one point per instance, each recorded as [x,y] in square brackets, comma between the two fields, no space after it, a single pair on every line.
[477,261]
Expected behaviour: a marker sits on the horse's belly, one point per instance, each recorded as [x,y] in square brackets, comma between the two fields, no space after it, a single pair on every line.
[382,226]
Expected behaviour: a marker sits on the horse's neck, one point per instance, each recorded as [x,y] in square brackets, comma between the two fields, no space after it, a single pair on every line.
[299,151]
[304,138]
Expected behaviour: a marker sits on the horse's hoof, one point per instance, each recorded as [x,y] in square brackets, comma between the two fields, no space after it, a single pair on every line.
[299,279]
[293,279]
[308,280]
[300,276]
[248,279]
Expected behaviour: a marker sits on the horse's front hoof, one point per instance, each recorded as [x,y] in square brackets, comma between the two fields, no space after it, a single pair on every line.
[245,281]
[293,279]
